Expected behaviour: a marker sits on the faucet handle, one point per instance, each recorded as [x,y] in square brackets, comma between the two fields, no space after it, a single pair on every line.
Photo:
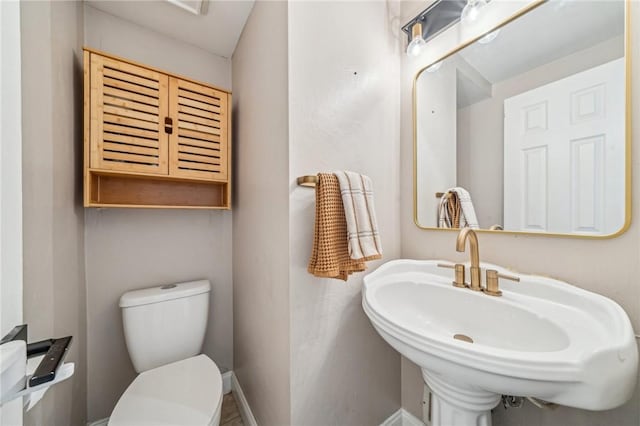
[459,274]
[493,286]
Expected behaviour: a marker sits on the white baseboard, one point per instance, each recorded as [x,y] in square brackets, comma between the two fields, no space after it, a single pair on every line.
[393,420]
[101,422]
[226,382]
[243,405]
[402,418]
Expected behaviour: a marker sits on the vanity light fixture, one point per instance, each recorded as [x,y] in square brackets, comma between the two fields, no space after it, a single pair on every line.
[440,15]
[471,11]
[417,42]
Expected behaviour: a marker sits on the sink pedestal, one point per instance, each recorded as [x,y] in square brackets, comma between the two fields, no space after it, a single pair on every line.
[452,404]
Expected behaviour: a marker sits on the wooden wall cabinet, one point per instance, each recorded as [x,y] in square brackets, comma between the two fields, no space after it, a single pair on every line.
[153,139]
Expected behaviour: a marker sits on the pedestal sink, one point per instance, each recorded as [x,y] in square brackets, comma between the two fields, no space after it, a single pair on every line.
[542,338]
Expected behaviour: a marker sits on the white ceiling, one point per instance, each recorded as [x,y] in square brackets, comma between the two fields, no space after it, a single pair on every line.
[547,33]
[217,32]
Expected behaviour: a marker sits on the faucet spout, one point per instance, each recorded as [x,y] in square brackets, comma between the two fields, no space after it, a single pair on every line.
[464,235]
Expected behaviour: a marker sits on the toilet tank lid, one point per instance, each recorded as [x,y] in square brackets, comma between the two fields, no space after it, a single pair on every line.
[163,293]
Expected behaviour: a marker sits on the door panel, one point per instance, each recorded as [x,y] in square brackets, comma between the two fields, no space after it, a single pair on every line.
[198,144]
[587,169]
[129,104]
[535,189]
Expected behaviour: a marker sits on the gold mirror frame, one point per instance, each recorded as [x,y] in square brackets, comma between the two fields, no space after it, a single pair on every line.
[627,127]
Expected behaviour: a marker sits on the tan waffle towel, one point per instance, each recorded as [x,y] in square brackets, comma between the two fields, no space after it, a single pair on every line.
[330,254]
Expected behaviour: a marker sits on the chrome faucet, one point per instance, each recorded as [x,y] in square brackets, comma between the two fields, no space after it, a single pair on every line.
[468,233]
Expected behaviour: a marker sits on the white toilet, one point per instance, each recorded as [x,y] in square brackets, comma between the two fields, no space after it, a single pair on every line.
[164,329]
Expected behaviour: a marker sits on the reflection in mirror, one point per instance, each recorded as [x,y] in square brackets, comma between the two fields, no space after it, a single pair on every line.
[524,130]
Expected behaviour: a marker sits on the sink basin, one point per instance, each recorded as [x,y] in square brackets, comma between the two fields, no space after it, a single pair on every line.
[543,338]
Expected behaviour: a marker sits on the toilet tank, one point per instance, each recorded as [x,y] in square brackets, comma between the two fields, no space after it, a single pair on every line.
[165,324]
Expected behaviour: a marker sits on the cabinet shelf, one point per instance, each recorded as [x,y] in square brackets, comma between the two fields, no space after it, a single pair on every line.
[138,190]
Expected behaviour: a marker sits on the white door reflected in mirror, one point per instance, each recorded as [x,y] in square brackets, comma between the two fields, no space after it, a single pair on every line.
[543,134]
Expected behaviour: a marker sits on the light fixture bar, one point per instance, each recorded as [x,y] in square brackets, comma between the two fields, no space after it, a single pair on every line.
[439,16]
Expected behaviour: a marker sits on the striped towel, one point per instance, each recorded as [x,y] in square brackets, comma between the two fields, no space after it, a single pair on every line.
[330,253]
[362,227]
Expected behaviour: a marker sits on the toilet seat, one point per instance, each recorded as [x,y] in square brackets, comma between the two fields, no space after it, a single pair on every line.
[183,393]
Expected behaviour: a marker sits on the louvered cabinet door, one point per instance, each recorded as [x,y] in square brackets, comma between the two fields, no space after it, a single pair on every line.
[198,145]
[128,108]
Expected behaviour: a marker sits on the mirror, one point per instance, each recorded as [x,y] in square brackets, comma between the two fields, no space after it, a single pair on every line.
[525,129]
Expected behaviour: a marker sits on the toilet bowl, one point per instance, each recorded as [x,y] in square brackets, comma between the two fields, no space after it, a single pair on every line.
[185,393]
[164,330]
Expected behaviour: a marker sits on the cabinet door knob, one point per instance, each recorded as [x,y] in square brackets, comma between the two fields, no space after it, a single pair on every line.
[168,125]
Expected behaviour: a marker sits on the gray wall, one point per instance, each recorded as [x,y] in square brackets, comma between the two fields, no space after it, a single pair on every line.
[131,249]
[317,97]
[53,217]
[261,217]
[343,115]
[609,267]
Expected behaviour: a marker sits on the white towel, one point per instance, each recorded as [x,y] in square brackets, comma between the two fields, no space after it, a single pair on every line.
[467,218]
[362,226]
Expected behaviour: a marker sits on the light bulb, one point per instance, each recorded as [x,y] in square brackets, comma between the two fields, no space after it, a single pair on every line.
[415,47]
[489,37]
[417,42]
[471,10]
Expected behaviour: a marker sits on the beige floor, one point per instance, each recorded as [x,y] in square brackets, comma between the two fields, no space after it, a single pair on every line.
[230,415]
